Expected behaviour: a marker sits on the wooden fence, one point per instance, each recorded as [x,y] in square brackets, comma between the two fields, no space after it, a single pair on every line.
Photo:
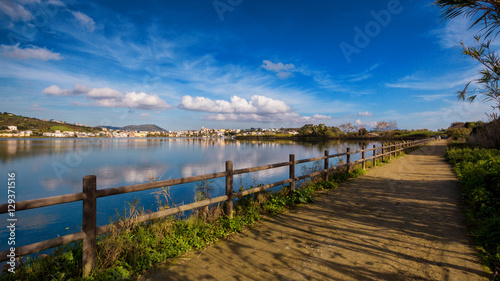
[90,194]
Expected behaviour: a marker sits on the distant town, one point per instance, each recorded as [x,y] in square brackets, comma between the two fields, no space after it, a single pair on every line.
[32,127]
[13,132]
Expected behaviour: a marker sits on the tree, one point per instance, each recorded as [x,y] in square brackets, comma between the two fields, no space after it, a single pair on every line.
[320,129]
[384,126]
[363,132]
[306,129]
[485,13]
[347,128]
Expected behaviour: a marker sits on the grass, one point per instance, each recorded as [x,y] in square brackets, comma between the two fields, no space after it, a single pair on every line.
[132,248]
[479,172]
[61,128]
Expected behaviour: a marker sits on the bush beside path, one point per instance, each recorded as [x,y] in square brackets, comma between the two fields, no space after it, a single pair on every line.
[401,221]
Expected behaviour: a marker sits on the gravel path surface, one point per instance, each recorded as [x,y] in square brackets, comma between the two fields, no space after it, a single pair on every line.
[401,221]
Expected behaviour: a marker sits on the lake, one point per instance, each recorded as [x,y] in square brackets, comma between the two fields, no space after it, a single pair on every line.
[51,167]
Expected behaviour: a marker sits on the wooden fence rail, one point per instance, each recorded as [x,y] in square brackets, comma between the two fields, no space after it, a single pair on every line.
[90,194]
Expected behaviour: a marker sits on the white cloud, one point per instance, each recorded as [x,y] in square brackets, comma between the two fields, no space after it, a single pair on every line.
[56,91]
[31,52]
[84,20]
[369,124]
[258,109]
[56,3]
[288,117]
[321,117]
[144,101]
[15,11]
[108,97]
[36,107]
[433,97]
[258,104]
[205,104]
[134,100]
[283,71]
[277,67]
[24,2]
[444,82]
[458,30]
[454,31]
[103,93]
[267,105]
[365,113]
[363,75]
[452,111]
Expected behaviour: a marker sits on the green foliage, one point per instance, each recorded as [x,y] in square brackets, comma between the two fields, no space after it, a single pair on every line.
[363,132]
[479,171]
[62,128]
[310,130]
[458,133]
[63,264]
[203,190]
[113,274]
[416,134]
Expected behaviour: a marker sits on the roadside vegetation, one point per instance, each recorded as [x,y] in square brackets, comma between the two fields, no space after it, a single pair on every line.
[474,152]
[132,248]
[479,171]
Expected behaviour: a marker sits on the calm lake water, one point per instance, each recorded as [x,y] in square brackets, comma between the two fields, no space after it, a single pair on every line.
[51,167]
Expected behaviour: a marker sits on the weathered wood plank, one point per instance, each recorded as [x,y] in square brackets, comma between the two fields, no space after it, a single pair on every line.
[260,168]
[151,185]
[44,245]
[43,202]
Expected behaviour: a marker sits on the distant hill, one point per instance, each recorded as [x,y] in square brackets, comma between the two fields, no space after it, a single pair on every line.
[147,127]
[28,123]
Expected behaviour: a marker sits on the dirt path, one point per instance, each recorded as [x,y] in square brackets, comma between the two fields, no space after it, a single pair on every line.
[401,221]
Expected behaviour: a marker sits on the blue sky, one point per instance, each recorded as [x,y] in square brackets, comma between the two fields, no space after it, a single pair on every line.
[234,63]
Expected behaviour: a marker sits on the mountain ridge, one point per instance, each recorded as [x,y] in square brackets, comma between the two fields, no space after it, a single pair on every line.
[145,127]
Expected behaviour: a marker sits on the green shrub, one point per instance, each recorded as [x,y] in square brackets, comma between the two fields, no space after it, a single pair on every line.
[479,172]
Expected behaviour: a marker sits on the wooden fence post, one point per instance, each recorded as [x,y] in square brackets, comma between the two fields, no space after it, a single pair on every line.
[390,151]
[348,159]
[383,152]
[292,172]
[363,163]
[228,208]
[374,156]
[326,164]
[89,225]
